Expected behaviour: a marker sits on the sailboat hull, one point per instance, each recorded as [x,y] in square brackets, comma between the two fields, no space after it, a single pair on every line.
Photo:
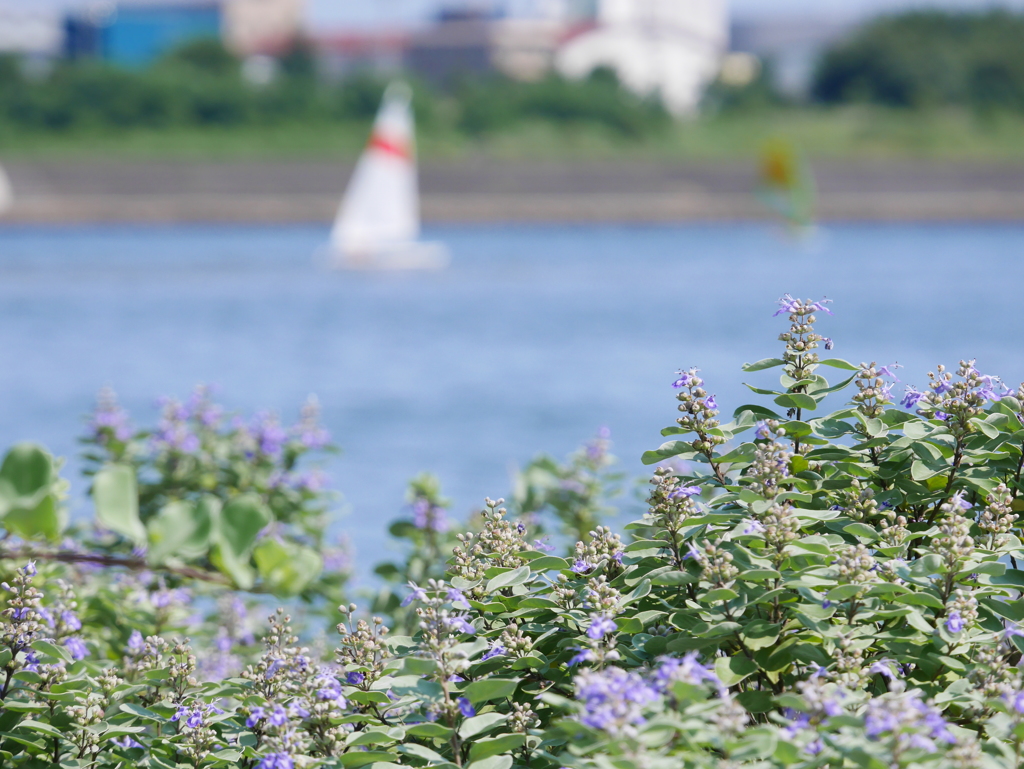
[414,255]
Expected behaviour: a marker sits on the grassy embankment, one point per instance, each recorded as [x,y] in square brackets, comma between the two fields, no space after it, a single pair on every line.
[848,133]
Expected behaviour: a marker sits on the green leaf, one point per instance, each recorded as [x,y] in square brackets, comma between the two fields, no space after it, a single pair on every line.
[509,579]
[920,471]
[141,712]
[361,758]
[494,762]
[428,729]
[763,364]
[839,363]
[732,670]
[494,746]
[862,530]
[760,634]
[665,451]
[797,401]
[43,520]
[52,649]
[241,521]
[759,411]
[491,689]
[116,496]
[548,563]
[234,566]
[182,529]
[27,472]
[479,724]
[286,567]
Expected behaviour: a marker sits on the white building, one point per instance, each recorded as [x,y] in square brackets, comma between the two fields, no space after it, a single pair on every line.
[672,48]
[30,31]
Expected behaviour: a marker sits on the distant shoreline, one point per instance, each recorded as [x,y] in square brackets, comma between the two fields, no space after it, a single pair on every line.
[50,192]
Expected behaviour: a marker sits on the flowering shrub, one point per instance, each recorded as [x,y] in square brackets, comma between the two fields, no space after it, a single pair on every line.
[837,590]
[225,495]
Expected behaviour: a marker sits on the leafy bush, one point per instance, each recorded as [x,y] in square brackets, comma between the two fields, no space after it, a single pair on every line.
[929,58]
[599,100]
[835,590]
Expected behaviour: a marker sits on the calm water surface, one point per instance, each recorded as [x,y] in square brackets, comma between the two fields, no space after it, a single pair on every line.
[533,340]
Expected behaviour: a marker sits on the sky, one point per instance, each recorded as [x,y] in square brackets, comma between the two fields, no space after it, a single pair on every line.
[392,12]
[395,13]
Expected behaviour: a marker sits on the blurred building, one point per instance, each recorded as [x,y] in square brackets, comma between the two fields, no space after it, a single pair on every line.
[472,42]
[29,32]
[134,33]
[671,48]
[341,55]
[254,27]
[790,45]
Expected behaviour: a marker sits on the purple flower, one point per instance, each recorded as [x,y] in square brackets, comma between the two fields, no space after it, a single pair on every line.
[684,491]
[276,761]
[583,655]
[787,305]
[278,716]
[297,711]
[256,715]
[580,566]
[428,516]
[763,431]
[195,719]
[954,622]
[76,647]
[814,748]
[685,669]
[355,678]
[826,604]
[126,742]
[543,546]
[613,699]
[685,378]
[912,397]
[70,620]
[31,662]
[460,623]
[267,433]
[136,642]
[710,402]
[887,371]
[495,651]
[601,626]
[417,594]
[466,707]
[165,598]
[29,569]
[455,595]
[829,344]
[1017,701]
[754,527]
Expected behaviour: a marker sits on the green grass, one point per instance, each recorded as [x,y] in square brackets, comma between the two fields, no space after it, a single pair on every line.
[848,133]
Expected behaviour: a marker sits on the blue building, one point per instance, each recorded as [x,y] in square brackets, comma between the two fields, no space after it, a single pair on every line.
[133,34]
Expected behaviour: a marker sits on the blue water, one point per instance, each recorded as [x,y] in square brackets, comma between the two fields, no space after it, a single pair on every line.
[534,339]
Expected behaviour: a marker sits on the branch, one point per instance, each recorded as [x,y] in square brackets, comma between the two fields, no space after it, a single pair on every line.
[131,563]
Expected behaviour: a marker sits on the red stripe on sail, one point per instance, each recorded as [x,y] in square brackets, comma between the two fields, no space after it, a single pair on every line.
[378,142]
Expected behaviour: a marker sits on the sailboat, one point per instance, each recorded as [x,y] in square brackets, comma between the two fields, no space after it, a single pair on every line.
[6,192]
[378,222]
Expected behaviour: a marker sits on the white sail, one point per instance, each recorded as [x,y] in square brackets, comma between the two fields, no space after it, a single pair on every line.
[378,223]
[6,192]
